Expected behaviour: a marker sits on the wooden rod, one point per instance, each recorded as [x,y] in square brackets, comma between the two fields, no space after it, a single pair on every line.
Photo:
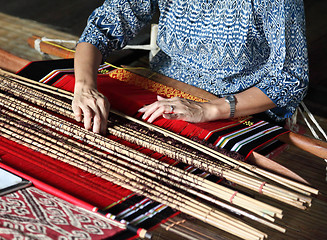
[51,48]
[311,145]
[10,62]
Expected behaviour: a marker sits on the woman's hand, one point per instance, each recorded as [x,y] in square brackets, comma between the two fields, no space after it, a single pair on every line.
[182,109]
[89,105]
[249,102]
[92,107]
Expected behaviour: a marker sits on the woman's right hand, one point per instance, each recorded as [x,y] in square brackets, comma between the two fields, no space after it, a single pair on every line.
[92,107]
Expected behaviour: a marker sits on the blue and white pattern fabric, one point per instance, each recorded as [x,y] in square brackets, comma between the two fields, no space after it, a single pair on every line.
[222,46]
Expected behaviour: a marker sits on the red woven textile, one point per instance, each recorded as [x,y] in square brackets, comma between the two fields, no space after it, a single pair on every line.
[128,98]
[128,92]
[64,177]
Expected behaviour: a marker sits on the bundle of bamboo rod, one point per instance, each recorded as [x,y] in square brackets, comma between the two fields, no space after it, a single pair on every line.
[119,150]
[118,174]
[207,165]
[134,170]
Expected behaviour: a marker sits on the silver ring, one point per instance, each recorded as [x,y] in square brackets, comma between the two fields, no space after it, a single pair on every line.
[172,108]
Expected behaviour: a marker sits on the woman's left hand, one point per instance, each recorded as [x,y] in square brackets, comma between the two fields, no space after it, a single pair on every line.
[176,108]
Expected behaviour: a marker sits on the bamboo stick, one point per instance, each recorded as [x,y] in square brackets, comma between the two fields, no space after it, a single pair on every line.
[272,193]
[148,173]
[196,207]
[107,157]
[234,163]
[212,168]
[83,134]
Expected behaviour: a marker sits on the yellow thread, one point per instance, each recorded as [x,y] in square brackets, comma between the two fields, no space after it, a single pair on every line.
[59,46]
[124,68]
[71,50]
[154,73]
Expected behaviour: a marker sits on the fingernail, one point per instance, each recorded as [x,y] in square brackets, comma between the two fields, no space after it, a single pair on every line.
[141,110]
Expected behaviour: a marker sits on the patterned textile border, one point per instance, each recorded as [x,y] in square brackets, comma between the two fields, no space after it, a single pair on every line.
[145,83]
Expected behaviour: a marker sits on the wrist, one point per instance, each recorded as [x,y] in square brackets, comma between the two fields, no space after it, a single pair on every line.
[217,109]
[84,84]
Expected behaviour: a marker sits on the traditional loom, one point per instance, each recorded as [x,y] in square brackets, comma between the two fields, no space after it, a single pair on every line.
[165,167]
[46,46]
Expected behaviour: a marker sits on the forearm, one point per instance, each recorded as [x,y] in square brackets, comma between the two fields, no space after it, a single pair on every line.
[88,104]
[249,102]
[87,60]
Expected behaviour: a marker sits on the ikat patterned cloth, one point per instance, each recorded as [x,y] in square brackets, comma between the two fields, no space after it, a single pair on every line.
[33,214]
[222,46]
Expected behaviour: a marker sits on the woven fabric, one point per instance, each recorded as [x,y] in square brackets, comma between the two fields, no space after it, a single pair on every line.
[113,199]
[128,98]
[34,214]
[128,92]
[138,210]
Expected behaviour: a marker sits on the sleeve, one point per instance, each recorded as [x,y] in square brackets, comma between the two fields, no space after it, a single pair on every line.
[287,80]
[113,24]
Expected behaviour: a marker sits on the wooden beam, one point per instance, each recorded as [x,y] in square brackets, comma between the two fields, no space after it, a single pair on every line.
[10,62]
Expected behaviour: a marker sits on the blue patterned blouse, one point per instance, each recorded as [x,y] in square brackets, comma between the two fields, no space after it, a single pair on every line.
[222,46]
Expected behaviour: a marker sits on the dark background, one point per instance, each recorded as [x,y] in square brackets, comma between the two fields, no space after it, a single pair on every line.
[71,16]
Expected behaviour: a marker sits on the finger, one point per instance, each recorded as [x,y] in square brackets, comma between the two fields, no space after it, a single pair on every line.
[159,112]
[152,106]
[103,114]
[98,118]
[88,117]
[153,113]
[103,128]
[97,123]
[149,109]
[142,109]
[77,112]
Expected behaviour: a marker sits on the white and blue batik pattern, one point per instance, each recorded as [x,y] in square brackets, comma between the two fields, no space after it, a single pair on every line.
[222,46]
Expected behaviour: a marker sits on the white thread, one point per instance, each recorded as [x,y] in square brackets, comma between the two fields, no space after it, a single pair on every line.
[60,41]
[315,135]
[312,118]
[37,44]
[139,47]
